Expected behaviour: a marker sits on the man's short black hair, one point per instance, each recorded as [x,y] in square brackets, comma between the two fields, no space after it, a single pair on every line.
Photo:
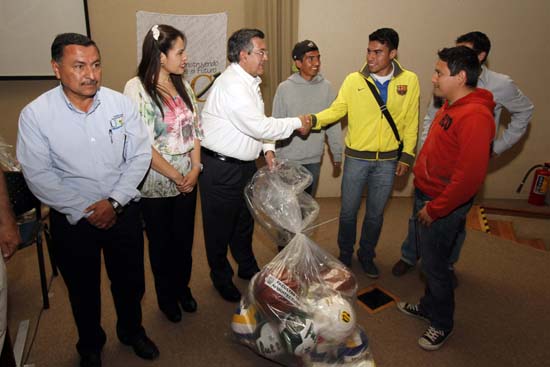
[386,36]
[303,47]
[241,40]
[462,58]
[66,39]
[479,40]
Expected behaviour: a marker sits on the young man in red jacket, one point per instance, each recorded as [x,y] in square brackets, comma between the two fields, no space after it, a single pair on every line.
[449,171]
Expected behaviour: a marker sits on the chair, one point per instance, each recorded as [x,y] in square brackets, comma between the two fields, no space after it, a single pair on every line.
[32,227]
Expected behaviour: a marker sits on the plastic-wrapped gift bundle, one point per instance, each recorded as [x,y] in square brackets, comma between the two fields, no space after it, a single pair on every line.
[299,309]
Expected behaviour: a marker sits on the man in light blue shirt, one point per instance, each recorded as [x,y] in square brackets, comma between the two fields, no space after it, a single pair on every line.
[84,150]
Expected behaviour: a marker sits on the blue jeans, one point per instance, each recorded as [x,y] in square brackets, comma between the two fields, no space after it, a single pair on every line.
[315,170]
[436,243]
[410,249]
[378,176]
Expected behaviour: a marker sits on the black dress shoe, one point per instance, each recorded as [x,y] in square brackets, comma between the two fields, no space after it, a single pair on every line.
[229,292]
[187,302]
[143,347]
[247,275]
[90,360]
[171,311]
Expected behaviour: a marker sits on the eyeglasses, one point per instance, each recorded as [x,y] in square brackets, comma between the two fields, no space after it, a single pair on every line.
[262,53]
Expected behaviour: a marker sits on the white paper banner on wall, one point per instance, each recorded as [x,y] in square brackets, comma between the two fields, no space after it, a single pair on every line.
[206,43]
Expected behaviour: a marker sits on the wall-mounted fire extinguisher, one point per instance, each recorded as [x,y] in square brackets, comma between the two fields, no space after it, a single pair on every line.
[541,183]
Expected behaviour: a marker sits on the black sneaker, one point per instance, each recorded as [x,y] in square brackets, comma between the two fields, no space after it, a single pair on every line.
[433,338]
[370,268]
[412,310]
[401,268]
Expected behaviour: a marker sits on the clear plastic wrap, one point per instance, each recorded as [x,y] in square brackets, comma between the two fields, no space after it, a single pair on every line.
[299,309]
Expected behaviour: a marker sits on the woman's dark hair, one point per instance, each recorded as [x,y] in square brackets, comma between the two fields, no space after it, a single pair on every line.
[149,67]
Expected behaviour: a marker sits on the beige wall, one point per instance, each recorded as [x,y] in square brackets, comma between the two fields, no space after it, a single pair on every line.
[519,33]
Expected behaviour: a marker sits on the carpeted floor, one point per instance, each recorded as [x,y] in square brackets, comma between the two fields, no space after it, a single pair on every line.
[501,307]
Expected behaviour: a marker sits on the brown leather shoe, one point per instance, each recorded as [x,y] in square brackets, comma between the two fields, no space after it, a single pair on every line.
[401,268]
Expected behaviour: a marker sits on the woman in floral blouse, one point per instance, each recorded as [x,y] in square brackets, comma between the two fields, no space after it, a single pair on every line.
[168,107]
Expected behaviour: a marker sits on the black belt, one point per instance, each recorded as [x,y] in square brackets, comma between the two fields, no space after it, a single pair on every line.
[365,154]
[222,157]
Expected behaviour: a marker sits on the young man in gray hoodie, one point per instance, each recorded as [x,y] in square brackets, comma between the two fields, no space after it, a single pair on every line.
[306,92]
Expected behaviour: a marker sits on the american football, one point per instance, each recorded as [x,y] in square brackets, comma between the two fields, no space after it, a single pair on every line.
[276,293]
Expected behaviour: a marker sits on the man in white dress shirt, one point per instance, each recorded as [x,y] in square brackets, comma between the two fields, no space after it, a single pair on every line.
[236,130]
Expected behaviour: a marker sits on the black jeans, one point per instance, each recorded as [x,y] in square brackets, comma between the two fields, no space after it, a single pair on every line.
[436,244]
[77,250]
[170,228]
[226,219]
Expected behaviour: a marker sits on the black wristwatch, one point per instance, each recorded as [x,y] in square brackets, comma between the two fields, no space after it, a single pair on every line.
[117,207]
[313,120]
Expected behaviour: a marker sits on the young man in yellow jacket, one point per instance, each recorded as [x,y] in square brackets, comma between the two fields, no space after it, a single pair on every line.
[373,153]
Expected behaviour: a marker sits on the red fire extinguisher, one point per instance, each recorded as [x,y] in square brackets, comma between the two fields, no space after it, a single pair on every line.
[541,183]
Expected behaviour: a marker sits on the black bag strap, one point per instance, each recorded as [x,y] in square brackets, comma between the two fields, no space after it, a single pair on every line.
[384,110]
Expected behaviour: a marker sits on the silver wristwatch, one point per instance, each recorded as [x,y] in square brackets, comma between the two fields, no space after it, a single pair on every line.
[117,207]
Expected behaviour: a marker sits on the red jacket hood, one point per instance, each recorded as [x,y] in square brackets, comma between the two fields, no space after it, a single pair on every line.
[478,96]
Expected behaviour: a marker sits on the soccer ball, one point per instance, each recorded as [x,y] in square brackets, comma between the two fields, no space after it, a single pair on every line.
[245,321]
[298,334]
[334,318]
[323,352]
[268,342]
[355,348]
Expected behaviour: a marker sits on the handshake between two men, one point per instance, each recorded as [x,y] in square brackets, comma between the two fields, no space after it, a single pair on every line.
[304,131]
[306,125]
